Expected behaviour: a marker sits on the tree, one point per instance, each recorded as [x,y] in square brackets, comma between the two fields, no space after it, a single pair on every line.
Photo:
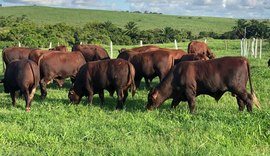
[240,27]
[132,31]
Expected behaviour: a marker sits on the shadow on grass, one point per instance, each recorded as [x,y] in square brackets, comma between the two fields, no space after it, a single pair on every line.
[132,104]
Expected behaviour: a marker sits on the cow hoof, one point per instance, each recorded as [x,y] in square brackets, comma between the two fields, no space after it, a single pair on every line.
[27,109]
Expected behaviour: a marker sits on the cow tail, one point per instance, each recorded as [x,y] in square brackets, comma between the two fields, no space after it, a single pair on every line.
[131,78]
[33,74]
[172,62]
[39,59]
[3,62]
[254,98]
[188,49]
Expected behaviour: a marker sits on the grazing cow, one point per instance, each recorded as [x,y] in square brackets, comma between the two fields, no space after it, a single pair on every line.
[200,47]
[212,77]
[58,66]
[112,75]
[14,53]
[91,52]
[61,48]
[21,75]
[140,49]
[191,57]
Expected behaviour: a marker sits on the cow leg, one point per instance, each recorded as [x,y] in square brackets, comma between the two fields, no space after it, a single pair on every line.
[27,100]
[42,86]
[175,102]
[90,98]
[245,97]
[191,104]
[101,97]
[138,81]
[31,96]
[190,94]
[125,96]
[120,97]
[147,83]
[13,97]
[60,82]
[240,103]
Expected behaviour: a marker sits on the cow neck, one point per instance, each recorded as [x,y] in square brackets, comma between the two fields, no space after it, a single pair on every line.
[165,89]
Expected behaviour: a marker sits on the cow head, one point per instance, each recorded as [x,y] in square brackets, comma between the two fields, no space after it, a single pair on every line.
[200,56]
[122,50]
[73,96]
[153,99]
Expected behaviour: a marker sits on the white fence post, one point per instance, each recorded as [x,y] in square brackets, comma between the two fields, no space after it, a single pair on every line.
[141,43]
[241,47]
[175,44]
[256,47]
[261,48]
[252,47]
[246,50]
[19,44]
[80,43]
[205,40]
[50,46]
[111,49]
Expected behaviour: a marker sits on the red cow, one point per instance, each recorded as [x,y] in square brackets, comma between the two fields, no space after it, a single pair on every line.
[200,47]
[214,77]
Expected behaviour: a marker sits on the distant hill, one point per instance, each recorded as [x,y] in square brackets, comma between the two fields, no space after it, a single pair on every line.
[78,17]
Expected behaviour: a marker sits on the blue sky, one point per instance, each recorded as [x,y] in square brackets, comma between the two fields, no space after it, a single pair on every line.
[259,9]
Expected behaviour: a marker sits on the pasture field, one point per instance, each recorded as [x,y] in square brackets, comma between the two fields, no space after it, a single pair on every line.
[56,127]
[79,17]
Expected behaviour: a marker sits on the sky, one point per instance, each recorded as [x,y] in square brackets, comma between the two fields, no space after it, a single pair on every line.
[248,9]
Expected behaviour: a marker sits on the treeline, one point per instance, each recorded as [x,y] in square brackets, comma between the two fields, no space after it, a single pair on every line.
[21,29]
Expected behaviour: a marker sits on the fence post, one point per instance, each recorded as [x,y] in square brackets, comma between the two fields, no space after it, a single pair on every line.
[246,46]
[80,43]
[241,47]
[256,47]
[175,44]
[261,48]
[19,44]
[226,45]
[141,44]
[252,47]
[205,40]
[50,46]
[111,49]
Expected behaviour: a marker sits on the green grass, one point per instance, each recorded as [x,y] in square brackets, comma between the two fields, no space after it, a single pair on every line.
[56,127]
[79,17]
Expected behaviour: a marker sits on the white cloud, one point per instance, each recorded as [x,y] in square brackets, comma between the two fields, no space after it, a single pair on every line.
[222,8]
[38,2]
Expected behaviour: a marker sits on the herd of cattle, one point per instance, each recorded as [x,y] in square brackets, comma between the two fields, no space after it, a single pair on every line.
[183,76]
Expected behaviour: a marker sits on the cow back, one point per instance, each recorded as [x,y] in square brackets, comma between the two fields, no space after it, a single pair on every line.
[91,52]
[147,48]
[16,53]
